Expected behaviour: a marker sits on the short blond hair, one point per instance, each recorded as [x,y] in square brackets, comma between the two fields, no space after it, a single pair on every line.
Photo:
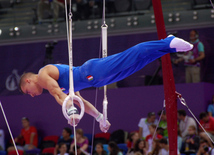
[22,79]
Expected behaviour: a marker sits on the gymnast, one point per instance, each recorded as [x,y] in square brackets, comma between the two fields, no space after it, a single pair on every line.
[98,72]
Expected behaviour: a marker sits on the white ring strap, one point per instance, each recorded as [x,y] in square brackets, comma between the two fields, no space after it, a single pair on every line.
[104,51]
[11,135]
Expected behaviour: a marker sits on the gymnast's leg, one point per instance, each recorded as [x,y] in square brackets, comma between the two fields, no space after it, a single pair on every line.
[119,66]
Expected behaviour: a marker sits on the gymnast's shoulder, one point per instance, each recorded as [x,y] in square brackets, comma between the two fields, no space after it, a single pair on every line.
[48,71]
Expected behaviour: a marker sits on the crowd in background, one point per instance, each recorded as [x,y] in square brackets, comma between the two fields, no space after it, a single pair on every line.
[81,9]
[150,139]
[152,136]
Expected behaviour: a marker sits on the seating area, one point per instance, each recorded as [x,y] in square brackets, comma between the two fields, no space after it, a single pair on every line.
[25,12]
[48,143]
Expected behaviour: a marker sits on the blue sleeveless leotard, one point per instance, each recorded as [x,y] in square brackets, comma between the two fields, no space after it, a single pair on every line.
[103,71]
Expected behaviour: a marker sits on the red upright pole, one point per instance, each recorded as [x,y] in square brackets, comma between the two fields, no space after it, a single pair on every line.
[168,80]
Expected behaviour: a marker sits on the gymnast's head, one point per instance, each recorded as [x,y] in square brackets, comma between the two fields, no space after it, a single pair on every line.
[28,84]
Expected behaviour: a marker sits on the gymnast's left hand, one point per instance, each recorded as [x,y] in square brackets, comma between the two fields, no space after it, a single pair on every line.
[104,126]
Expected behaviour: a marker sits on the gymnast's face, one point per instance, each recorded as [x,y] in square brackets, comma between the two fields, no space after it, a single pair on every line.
[31,87]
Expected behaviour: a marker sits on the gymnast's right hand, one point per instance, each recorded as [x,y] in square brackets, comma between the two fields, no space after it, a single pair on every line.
[104,124]
[73,113]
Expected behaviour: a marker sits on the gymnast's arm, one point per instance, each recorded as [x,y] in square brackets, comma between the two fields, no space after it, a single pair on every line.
[54,89]
[49,83]
[89,108]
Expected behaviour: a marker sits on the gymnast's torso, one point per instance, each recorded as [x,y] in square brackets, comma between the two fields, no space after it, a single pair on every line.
[63,81]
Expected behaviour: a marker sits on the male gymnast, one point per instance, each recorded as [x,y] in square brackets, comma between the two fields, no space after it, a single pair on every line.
[98,72]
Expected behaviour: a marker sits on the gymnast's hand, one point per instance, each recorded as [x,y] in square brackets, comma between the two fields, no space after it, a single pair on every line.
[73,113]
[106,127]
[75,120]
[104,124]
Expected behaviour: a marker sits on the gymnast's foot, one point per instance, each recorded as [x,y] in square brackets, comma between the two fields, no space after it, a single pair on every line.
[180,45]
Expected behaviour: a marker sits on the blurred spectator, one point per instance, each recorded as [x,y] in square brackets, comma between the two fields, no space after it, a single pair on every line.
[155,148]
[81,140]
[140,146]
[99,149]
[165,147]
[204,148]
[133,137]
[81,9]
[50,7]
[29,133]
[2,144]
[191,142]
[149,138]
[163,123]
[66,139]
[208,123]
[95,8]
[185,122]
[79,151]
[210,108]
[114,149]
[192,58]
[62,149]
[145,123]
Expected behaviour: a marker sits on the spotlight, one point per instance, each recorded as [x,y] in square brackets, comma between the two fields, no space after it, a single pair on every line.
[33,32]
[153,16]
[212,16]
[135,18]
[17,33]
[49,31]
[56,25]
[177,19]
[49,26]
[112,20]
[129,19]
[33,27]
[135,23]
[195,17]
[89,27]
[170,19]
[56,30]
[152,21]
[170,14]
[16,28]
[89,22]
[195,12]
[177,14]
[96,26]
[129,23]
[112,25]
[212,11]
[95,22]
[0,31]
[11,34]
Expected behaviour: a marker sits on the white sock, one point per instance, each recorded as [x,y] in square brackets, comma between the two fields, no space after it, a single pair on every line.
[180,45]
